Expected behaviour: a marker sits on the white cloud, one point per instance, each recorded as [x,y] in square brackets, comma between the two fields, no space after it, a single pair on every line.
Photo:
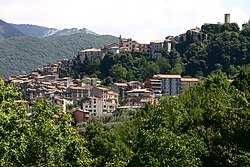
[142,20]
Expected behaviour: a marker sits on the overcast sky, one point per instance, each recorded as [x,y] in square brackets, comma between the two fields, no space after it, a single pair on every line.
[142,20]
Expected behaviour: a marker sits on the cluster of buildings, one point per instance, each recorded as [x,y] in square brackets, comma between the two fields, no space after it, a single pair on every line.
[137,94]
[88,95]
[153,50]
[85,92]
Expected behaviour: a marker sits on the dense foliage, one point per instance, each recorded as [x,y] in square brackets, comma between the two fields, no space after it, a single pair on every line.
[206,126]
[20,55]
[43,138]
[226,49]
[7,31]
[34,30]
[128,66]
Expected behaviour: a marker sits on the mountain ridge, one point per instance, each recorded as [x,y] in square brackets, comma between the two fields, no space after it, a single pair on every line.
[44,32]
[8,31]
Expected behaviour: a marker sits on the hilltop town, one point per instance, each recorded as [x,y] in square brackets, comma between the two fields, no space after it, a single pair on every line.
[89,95]
[180,101]
[51,82]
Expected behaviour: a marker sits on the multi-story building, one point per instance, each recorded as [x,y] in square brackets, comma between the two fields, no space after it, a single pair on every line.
[100,92]
[159,46]
[138,97]
[113,48]
[49,69]
[128,44]
[81,116]
[121,89]
[77,93]
[193,35]
[91,54]
[187,82]
[93,105]
[62,102]
[106,103]
[170,84]
[88,81]
[144,48]
[154,85]
[135,85]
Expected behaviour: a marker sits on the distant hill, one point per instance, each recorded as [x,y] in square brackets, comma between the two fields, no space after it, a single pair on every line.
[42,32]
[20,55]
[72,31]
[8,31]
[34,30]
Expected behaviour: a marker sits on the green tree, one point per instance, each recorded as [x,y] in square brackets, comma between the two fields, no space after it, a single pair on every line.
[42,139]
[118,73]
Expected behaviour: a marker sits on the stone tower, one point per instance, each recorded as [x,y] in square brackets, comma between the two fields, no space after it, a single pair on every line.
[227,18]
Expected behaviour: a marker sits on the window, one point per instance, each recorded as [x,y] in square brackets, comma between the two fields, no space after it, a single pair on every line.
[94,106]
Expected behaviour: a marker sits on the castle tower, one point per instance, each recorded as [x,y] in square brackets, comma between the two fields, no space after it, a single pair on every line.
[227,18]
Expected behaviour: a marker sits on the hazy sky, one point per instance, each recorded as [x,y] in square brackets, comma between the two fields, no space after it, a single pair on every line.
[142,20]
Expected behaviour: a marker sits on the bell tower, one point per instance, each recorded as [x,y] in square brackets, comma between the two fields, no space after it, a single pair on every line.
[227,18]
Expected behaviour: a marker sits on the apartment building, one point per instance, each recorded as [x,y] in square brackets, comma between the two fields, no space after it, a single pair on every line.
[121,89]
[94,105]
[155,85]
[77,93]
[187,82]
[170,84]
[138,97]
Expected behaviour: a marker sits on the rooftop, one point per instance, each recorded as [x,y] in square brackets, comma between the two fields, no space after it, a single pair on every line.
[157,41]
[189,80]
[78,88]
[139,91]
[91,50]
[168,76]
[121,84]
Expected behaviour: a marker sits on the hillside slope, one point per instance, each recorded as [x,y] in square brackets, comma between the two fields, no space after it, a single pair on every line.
[34,30]
[43,32]
[20,55]
[8,31]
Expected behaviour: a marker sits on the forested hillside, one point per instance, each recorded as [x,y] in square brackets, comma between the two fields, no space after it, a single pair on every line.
[20,55]
[7,31]
[34,30]
[226,49]
[43,32]
[208,125]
